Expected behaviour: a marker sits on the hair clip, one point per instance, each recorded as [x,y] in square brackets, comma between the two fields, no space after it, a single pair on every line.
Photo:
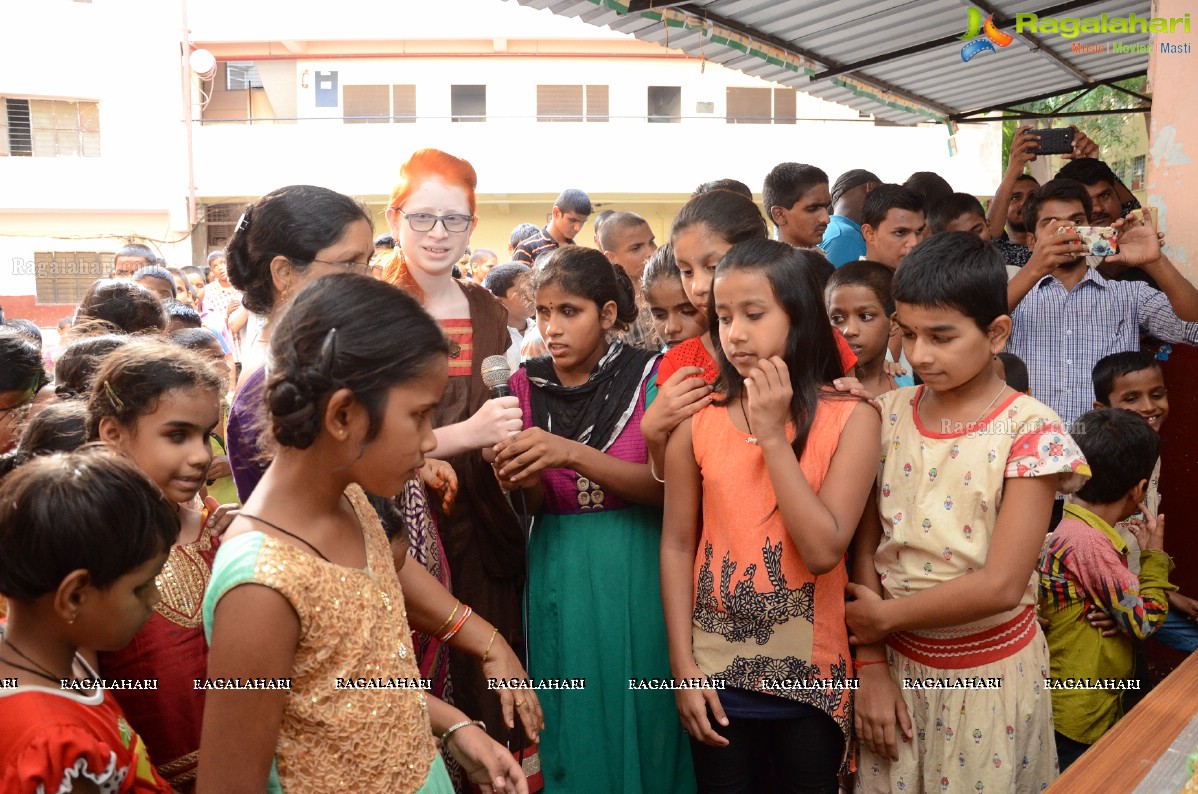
[112,398]
[328,350]
[243,222]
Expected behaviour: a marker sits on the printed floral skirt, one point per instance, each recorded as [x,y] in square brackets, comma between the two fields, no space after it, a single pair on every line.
[970,740]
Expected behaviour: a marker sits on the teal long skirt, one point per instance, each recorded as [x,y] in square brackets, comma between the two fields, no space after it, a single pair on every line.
[595,613]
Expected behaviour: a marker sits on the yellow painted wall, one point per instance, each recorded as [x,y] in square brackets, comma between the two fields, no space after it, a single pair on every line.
[496,221]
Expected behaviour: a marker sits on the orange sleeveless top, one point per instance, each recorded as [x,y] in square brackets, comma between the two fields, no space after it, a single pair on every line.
[761,620]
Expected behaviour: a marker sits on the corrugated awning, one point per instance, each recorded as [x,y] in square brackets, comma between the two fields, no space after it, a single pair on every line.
[899,60]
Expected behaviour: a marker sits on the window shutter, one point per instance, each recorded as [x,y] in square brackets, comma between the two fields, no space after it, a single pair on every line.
[403,103]
[749,106]
[366,104]
[785,101]
[65,276]
[597,103]
[559,103]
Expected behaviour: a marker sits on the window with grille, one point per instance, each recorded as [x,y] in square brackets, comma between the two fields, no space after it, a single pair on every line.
[49,128]
[240,75]
[468,102]
[1137,172]
[572,103]
[64,276]
[761,106]
[379,104]
[221,220]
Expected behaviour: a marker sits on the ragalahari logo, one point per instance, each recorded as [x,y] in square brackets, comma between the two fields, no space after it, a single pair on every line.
[976,44]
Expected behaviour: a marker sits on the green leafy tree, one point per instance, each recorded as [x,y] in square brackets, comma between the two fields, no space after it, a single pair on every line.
[1113,133]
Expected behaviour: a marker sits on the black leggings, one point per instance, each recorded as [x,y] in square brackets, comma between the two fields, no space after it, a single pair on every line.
[793,756]
[1068,750]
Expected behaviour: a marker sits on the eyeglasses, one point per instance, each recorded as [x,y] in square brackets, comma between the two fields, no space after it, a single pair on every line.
[424,222]
[362,268]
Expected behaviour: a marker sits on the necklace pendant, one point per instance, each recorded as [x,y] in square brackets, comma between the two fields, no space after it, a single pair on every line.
[752,440]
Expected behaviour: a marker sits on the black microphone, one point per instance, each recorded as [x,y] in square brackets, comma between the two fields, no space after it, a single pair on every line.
[496,372]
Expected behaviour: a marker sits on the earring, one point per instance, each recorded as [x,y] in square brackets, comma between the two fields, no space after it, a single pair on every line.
[73,616]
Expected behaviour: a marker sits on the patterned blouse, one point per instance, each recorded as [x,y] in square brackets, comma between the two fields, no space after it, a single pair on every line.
[353,627]
[940,489]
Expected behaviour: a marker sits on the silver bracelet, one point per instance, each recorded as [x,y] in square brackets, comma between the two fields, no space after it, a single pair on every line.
[449,732]
[654,473]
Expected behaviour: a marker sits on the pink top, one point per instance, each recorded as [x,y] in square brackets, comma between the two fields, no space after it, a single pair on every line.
[561,486]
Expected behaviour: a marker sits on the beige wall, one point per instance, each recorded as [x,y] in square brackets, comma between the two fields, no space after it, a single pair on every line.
[496,224]
[1173,154]
[1173,83]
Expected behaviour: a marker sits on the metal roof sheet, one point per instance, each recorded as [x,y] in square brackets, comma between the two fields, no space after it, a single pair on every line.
[920,74]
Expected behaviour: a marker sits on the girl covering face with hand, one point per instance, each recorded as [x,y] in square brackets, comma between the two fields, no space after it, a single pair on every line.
[705,229]
[766,486]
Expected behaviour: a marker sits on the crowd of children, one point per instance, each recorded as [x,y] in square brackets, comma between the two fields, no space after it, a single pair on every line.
[738,523]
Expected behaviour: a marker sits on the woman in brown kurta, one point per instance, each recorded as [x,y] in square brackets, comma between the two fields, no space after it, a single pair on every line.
[431,215]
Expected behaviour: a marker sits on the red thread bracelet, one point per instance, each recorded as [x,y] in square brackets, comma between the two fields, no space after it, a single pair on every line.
[858,665]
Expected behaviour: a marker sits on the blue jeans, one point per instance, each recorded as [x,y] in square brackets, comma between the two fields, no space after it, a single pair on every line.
[1178,632]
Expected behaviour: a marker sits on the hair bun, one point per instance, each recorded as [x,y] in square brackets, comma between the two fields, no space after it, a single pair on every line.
[294,407]
[626,308]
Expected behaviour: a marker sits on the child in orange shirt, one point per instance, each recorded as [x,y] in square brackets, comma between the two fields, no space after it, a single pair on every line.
[82,537]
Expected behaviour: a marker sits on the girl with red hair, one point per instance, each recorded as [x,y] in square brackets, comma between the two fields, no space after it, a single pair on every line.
[431,215]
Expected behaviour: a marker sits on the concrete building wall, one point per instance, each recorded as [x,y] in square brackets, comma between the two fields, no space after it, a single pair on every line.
[1172,175]
[138,187]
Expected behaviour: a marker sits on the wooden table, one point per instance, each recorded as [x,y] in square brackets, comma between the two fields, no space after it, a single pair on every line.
[1146,751]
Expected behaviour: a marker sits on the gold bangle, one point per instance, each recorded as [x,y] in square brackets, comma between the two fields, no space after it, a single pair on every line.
[487,652]
[439,631]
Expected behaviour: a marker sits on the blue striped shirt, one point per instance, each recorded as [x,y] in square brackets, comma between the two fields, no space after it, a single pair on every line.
[1061,334]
